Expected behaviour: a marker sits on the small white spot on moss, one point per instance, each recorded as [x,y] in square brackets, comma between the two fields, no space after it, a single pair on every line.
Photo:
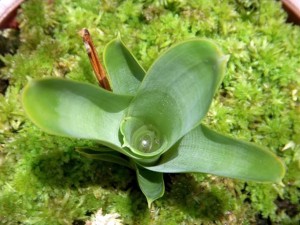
[108,219]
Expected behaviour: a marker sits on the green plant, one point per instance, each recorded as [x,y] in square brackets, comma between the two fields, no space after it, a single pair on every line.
[151,120]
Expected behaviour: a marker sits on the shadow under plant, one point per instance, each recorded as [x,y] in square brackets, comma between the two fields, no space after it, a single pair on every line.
[69,170]
[197,200]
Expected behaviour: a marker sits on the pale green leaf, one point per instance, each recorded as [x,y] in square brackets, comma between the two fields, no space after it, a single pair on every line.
[151,184]
[73,109]
[203,150]
[123,71]
[173,97]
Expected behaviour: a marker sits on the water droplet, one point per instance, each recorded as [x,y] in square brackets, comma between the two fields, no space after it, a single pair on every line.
[146,143]
[146,139]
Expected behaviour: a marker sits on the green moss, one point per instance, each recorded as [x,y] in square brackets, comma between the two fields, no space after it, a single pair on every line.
[42,179]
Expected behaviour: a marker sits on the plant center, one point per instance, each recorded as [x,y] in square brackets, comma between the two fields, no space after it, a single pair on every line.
[146,139]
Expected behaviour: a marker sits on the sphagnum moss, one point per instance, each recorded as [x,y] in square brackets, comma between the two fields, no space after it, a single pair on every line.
[43,181]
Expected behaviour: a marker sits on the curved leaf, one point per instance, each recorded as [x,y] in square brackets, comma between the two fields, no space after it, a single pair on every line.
[73,109]
[124,72]
[105,154]
[203,150]
[174,95]
[151,184]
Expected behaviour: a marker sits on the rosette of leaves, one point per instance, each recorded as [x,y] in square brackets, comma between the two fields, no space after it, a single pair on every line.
[151,121]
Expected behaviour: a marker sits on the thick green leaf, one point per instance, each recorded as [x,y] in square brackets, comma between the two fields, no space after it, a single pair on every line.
[173,97]
[105,154]
[203,150]
[151,184]
[124,72]
[73,109]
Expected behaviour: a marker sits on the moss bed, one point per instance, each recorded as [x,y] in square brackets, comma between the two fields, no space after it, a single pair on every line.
[44,181]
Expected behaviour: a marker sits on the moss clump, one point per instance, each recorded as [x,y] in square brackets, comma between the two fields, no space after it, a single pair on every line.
[42,179]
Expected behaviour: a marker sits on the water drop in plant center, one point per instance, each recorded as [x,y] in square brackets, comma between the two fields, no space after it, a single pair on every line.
[146,139]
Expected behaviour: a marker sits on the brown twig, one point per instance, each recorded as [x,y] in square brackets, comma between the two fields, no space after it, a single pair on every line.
[95,62]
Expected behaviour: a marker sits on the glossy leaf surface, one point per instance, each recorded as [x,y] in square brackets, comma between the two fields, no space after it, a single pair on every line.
[174,96]
[203,150]
[124,72]
[74,109]
[151,184]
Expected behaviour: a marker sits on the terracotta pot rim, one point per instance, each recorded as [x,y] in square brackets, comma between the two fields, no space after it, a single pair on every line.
[8,12]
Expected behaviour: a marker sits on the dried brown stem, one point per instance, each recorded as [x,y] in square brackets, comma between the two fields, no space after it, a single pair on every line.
[95,62]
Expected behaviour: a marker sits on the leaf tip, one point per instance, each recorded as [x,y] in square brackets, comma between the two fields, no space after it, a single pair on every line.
[119,36]
[282,171]
[224,59]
